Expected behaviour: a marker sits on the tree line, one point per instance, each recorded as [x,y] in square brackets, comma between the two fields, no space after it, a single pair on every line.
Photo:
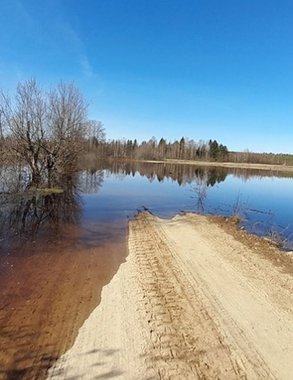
[260,158]
[183,149]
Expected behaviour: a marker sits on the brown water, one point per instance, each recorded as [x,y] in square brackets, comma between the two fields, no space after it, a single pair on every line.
[48,289]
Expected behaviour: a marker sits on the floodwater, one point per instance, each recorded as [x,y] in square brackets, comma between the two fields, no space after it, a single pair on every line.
[262,199]
[57,251]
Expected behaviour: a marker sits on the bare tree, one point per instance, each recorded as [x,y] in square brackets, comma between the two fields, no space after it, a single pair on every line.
[46,130]
[25,118]
[95,133]
[67,114]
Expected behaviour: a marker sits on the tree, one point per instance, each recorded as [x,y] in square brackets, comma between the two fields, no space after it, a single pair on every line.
[25,118]
[223,152]
[214,149]
[162,148]
[67,113]
[46,129]
[95,133]
[182,148]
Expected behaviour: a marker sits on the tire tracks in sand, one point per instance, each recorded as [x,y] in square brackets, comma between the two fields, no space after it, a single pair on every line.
[191,302]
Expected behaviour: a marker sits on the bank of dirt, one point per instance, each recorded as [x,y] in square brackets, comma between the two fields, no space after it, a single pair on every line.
[193,301]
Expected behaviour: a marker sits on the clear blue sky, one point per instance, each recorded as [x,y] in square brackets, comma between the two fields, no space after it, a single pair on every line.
[196,68]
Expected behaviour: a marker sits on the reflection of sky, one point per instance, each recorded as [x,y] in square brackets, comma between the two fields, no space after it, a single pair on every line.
[266,202]
[268,195]
[124,196]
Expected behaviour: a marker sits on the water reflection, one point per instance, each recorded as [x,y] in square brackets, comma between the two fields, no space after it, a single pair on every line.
[26,216]
[29,216]
[260,197]
[53,266]
[114,191]
[201,190]
[182,174]
[90,181]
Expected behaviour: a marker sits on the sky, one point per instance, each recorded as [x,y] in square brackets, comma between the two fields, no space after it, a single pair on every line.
[202,69]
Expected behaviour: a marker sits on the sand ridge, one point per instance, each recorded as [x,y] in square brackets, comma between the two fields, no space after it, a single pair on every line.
[190,302]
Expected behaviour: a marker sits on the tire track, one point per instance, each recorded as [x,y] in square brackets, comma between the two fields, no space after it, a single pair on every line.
[190,302]
[185,338]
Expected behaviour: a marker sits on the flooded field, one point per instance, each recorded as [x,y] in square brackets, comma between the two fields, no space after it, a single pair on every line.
[59,250]
[262,199]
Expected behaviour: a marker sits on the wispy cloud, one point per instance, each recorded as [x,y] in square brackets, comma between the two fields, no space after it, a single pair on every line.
[53,37]
[77,46]
[22,12]
[70,35]
[86,67]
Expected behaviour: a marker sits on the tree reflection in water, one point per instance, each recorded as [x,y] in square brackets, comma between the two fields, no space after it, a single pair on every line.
[42,214]
[182,174]
[201,177]
[28,215]
[90,181]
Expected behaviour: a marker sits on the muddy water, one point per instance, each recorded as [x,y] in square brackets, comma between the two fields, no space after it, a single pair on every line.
[48,289]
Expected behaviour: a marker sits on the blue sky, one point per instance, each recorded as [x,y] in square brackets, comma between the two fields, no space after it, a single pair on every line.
[195,68]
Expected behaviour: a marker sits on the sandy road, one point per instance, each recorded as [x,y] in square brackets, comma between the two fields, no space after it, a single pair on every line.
[191,302]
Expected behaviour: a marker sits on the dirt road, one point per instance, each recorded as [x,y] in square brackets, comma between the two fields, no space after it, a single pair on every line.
[191,302]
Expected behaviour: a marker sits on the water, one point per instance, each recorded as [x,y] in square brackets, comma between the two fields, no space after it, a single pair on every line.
[262,200]
[58,251]
[98,202]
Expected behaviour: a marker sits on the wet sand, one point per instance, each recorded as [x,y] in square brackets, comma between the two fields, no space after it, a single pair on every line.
[47,291]
[195,299]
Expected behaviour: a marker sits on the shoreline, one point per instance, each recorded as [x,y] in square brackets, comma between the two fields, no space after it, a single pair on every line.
[195,298]
[235,165]
[47,292]
[229,165]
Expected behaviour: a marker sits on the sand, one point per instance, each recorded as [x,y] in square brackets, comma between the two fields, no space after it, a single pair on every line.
[190,302]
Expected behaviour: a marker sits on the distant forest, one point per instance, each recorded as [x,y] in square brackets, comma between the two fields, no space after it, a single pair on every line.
[183,149]
[159,150]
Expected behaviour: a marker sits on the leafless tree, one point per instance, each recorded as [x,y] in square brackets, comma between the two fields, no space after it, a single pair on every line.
[46,130]
[25,119]
[67,116]
[95,133]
